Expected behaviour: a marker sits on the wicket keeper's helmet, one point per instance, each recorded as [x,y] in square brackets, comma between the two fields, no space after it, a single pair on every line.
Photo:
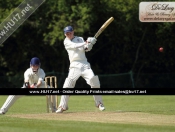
[35,61]
[68,29]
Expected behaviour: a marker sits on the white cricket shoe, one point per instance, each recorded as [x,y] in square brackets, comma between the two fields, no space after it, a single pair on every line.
[2,112]
[101,107]
[60,109]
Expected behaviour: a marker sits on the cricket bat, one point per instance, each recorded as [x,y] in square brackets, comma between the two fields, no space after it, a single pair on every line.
[104,26]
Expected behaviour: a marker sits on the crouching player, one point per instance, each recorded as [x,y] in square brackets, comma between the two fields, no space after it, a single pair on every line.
[33,78]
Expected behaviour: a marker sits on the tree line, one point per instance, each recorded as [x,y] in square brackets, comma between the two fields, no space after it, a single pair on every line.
[127,44]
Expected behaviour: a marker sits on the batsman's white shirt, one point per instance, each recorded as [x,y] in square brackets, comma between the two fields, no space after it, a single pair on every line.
[75,49]
[33,77]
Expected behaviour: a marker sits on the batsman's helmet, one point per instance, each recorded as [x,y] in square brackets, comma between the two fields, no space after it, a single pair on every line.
[68,29]
[35,61]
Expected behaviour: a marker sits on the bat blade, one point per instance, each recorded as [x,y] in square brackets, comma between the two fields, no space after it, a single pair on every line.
[104,26]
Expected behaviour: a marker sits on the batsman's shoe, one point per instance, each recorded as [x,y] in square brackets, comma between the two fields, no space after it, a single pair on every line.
[2,112]
[60,109]
[101,107]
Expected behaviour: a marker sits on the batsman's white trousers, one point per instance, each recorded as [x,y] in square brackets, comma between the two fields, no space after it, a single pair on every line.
[75,72]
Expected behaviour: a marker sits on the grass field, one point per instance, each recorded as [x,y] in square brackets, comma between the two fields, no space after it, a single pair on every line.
[123,114]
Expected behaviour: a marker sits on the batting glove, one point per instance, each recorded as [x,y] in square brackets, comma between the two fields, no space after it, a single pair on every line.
[92,40]
[88,47]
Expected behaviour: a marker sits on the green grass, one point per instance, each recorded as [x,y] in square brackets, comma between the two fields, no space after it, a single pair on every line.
[27,125]
[159,105]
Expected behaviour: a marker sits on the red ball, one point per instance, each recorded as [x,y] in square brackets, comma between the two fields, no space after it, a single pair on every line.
[161,49]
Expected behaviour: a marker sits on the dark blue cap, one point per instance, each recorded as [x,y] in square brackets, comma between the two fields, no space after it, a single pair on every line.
[35,61]
[68,29]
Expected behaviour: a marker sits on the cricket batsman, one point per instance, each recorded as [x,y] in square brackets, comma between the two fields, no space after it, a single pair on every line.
[79,66]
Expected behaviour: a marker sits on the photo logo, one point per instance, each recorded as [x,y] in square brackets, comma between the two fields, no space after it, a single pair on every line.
[157,11]
[19,15]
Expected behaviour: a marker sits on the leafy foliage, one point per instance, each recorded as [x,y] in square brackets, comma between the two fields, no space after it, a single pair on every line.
[127,44]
